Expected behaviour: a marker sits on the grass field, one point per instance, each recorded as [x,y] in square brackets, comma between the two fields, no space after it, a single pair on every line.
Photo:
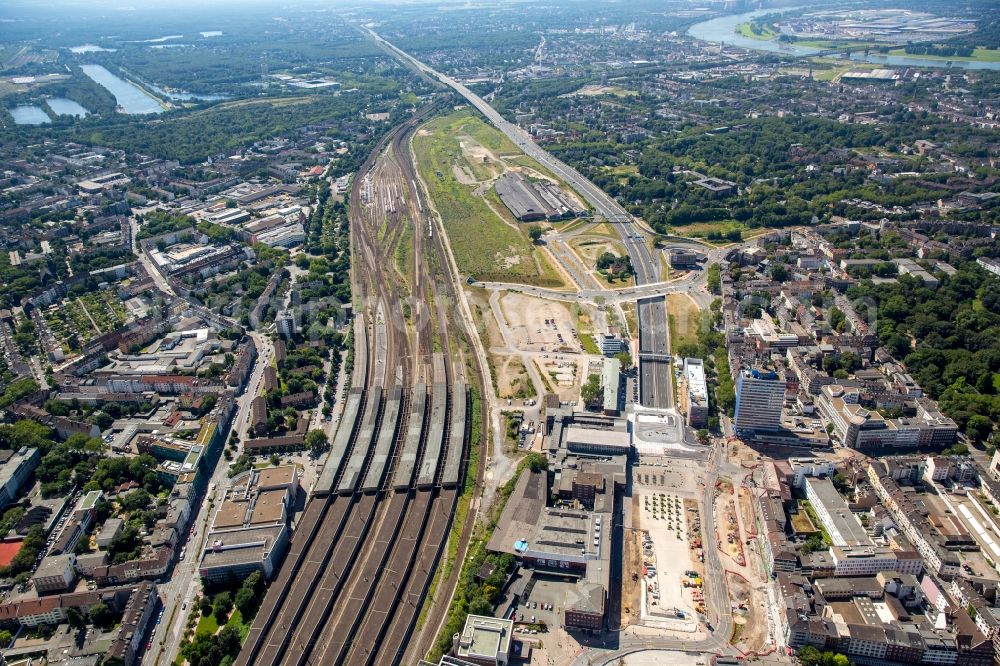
[485,246]
[767,33]
[702,229]
[978,55]
[207,625]
[837,68]
[623,169]
[682,313]
[467,122]
[271,101]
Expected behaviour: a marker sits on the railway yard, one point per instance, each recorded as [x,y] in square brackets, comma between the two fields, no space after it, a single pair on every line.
[366,548]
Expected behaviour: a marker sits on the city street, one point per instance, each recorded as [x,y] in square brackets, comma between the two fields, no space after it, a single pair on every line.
[183,586]
[654,337]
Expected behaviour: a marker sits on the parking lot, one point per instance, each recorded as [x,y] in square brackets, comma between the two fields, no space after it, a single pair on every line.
[667,559]
[543,601]
[528,433]
[538,324]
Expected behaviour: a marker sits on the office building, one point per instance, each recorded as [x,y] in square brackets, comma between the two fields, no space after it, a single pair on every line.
[760,395]
[484,640]
[585,606]
[15,471]
[610,343]
[56,573]
[250,530]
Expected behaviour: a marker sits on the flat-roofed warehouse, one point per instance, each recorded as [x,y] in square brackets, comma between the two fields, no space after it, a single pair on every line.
[565,541]
[592,440]
[250,530]
[528,200]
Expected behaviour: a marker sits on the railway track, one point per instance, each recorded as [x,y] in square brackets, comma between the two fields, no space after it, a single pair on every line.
[380,511]
[349,609]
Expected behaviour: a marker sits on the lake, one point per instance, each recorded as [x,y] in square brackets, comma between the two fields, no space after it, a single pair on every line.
[62,106]
[131,99]
[723,29]
[156,40]
[30,115]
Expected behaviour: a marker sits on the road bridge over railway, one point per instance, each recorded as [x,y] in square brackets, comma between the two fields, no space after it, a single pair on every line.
[654,369]
[654,384]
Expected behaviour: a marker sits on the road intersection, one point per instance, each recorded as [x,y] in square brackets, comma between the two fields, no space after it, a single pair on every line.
[655,380]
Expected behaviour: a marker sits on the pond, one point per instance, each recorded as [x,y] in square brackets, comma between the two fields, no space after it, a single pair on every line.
[30,115]
[62,106]
[131,99]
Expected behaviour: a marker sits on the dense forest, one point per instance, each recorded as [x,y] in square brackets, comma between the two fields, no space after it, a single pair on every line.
[767,159]
[192,137]
[949,340]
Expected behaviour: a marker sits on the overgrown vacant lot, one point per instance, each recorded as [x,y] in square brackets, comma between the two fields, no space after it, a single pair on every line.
[485,245]
[684,317]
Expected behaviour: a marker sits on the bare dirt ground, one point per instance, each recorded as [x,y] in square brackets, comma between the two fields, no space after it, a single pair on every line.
[526,318]
[563,376]
[743,455]
[632,579]
[692,510]
[729,537]
[745,503]
[512,377]
[462,175]
[481,159]
[750,624]
[592,89]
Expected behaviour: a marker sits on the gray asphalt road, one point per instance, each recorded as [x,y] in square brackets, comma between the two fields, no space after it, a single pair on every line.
[654,376]
[184,585]
[653,325]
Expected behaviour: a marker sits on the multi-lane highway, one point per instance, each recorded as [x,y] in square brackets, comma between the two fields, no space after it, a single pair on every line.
[654,343]
[655,371]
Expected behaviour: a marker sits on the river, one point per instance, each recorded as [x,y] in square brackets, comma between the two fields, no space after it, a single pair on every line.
[723,29]
[131,99]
